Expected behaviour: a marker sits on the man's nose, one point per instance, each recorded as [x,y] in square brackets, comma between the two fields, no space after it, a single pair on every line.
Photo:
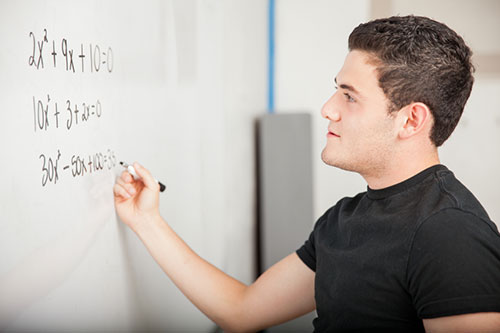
[330,109]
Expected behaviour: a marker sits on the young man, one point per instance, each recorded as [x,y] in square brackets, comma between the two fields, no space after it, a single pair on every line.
[415,252]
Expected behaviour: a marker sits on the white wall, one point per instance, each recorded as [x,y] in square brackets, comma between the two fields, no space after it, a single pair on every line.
[245,94]
[188,82]
[221,82]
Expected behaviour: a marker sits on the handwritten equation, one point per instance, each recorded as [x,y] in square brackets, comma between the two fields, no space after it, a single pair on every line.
[82,58]
[56,166]
[48,113]
[51,112]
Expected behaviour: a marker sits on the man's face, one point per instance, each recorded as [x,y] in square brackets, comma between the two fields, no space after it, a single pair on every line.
[361,134]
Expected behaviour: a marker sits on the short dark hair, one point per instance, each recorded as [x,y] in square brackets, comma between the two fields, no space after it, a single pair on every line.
[419,60]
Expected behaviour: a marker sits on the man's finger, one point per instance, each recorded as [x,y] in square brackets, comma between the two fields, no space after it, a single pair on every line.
[120,192]
[127,177]
[146,176]
[130,188]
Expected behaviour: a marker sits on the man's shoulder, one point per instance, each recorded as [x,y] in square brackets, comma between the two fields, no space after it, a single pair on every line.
[462,198]
[454,221]
[441,194]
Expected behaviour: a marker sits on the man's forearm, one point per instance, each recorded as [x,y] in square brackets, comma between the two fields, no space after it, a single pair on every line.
[215,293]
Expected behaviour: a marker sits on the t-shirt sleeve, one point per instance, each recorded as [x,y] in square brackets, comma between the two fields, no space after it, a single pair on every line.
[454,265]
[307,252]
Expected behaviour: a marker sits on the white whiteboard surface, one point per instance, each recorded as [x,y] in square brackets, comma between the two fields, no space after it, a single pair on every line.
[66,262]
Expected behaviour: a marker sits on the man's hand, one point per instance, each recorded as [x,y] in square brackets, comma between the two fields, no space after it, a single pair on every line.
[136,201]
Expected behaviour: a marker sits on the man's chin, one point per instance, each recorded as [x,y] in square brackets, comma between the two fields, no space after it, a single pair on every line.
[336,162]
[329,160]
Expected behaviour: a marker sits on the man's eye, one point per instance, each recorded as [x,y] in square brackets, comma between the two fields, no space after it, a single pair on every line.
[349,98]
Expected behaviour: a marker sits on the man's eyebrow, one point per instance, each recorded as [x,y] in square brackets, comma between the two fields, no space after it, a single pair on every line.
[347,87]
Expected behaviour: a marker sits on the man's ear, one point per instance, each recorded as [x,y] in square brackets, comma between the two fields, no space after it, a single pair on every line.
[414,119]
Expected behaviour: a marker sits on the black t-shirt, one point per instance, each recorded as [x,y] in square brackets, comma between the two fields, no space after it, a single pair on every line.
[388,258]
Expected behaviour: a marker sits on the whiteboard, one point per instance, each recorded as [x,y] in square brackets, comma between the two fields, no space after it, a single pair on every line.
[84,86]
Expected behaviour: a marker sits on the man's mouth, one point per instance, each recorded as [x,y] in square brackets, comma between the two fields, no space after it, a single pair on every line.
[332,134]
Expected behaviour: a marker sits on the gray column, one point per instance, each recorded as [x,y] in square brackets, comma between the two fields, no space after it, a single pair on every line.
[285,193]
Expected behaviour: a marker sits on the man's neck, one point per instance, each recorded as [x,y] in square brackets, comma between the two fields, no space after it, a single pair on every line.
[399,171]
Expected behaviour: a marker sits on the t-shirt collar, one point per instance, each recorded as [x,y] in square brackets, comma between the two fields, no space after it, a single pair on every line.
[404,185]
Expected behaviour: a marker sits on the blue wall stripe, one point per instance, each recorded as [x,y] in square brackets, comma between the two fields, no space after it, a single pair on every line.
[270,73]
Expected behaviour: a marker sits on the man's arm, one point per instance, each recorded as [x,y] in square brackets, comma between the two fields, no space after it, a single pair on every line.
[473,322]
[282,293]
